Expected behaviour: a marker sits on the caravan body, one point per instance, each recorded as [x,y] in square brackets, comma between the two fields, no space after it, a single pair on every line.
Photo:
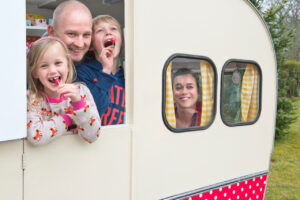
[146,158]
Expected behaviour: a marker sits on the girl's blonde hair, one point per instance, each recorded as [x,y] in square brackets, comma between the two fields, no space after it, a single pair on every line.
[36,51]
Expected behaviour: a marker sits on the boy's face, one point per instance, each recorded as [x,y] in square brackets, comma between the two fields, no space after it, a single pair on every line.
[103,32]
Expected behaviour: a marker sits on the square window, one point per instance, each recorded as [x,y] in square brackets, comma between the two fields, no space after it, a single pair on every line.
[240,92]
[189,84]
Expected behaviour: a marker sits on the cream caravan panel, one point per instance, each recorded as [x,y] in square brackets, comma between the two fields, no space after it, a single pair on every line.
[70,168]
[167,163]
[11,170]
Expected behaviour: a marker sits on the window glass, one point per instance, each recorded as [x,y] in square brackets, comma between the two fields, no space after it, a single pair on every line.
[240,93]
[189,93]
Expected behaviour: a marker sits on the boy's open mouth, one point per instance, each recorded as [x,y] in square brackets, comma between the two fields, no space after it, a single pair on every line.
[109,42]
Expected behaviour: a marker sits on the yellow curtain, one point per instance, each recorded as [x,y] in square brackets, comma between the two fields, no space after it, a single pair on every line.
[207,80]
[170,112]
[249,93]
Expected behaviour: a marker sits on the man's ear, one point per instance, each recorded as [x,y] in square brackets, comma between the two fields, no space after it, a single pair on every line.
[50,30]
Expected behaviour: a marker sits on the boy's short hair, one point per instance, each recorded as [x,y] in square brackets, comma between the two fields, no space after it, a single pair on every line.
[107,19]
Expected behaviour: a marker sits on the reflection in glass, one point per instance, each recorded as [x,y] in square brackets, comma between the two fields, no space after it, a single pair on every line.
[189,98]
[240,94]
[186,98]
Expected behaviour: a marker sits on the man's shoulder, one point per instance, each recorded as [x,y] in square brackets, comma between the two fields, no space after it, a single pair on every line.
[90,65]
[86,71]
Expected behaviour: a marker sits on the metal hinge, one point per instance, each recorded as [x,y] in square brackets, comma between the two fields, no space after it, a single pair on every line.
[23,161]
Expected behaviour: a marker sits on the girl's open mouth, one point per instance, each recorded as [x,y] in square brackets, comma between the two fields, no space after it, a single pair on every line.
[55,80]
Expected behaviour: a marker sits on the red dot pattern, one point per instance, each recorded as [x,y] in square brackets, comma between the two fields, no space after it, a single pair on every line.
[251,189]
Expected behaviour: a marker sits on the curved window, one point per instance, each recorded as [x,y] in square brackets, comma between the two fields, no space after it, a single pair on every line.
[189,87]
[240,94]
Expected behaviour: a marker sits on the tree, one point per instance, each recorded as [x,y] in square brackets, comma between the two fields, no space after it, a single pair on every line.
[257,4]
[275,17]
[286,115]
[282,35]
[293,22]
[291,83]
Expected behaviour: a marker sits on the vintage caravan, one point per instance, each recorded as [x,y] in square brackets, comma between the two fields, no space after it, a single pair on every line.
[225,155]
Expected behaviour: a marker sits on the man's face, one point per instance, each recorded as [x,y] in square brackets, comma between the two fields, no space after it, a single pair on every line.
[75,30]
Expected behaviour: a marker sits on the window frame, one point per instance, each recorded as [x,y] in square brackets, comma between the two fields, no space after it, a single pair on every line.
[188,56]
[259,92]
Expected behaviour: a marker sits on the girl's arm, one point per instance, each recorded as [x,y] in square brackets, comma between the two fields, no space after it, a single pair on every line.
[40,131]
[86,116]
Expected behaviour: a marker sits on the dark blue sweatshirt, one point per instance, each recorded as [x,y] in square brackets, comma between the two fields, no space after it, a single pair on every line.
[108,91]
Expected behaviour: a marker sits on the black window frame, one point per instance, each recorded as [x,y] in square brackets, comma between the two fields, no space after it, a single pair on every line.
[188,56]
[259,92]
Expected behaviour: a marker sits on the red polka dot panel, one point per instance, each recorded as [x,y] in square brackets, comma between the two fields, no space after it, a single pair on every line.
[252,189]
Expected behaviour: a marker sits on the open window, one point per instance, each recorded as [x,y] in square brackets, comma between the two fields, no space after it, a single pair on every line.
[39,14]
[240,92]
[189,88]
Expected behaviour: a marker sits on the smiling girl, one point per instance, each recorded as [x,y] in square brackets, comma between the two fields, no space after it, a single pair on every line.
[55,106]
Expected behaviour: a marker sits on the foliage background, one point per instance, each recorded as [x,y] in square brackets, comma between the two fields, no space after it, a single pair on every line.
[283,20]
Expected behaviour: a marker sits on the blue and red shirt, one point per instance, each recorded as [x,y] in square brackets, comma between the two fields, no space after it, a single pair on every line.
[108,91]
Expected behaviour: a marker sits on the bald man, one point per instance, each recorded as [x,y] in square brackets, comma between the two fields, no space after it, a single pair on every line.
[72,23]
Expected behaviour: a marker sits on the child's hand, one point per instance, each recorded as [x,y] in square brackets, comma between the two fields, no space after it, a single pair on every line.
[107,58]
[69,90]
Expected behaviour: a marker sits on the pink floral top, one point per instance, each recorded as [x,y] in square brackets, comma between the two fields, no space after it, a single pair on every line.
[51,118]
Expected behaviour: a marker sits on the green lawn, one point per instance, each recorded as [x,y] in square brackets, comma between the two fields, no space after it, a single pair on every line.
[284,177]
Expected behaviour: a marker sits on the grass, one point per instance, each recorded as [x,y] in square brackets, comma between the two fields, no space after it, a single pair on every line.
[284,176]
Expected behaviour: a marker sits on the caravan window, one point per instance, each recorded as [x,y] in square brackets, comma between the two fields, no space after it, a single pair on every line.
[240,92]
[114,110]
[189,84]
